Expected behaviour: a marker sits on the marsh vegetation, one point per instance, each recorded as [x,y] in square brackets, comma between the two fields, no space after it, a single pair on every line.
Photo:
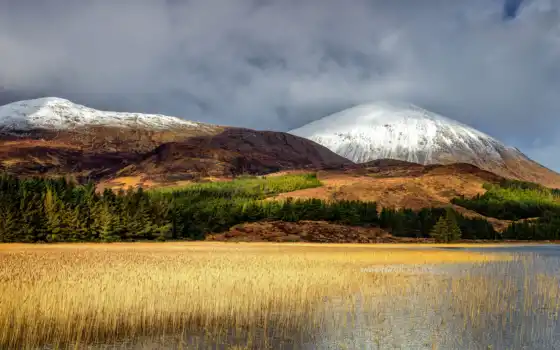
[256,296]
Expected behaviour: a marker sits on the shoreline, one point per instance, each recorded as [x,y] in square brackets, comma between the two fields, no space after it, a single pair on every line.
[461,244]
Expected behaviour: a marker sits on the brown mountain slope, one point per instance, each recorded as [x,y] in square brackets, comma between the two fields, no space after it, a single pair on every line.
[169,155]
[39,157]
[400,184]
[515,166]
[94,152]
[521,167]
[233,152]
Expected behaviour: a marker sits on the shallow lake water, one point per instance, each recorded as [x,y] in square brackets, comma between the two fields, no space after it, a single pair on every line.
[498,305]
[515,306]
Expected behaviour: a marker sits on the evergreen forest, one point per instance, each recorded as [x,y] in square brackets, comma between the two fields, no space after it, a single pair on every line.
[59,210]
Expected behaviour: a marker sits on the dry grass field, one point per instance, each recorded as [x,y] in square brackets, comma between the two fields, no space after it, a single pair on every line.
[72,294]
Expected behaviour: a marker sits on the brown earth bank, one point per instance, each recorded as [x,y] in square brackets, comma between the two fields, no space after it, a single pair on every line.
[307,231]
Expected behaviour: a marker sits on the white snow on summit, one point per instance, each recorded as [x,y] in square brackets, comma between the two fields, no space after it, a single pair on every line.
[404,132]
[54,113]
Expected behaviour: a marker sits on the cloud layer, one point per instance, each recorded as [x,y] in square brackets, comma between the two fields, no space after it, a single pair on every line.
[277,64]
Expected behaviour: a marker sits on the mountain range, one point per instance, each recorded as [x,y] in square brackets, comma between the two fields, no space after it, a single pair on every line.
[54,136]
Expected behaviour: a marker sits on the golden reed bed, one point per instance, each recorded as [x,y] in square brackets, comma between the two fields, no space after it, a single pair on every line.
[70,294]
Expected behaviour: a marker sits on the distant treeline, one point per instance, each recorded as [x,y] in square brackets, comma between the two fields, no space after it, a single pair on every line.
[57,210]
[518,201]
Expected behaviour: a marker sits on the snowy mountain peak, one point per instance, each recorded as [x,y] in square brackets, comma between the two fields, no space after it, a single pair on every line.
[405,132]
[53,113]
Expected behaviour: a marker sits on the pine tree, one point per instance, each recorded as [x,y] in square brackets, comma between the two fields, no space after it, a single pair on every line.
[8,226]
[77,221]
[31,219]
[446,229]
[386,217]
[454,233]
[54,211]
[440,229]
[104,223]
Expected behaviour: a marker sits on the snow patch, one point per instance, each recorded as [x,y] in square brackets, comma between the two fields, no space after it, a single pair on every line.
[54,113]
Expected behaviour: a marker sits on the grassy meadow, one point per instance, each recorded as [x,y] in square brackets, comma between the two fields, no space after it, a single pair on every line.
[70,295]
[246,186]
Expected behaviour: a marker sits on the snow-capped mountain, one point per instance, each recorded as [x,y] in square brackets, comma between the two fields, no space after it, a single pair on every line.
[404,132]
[56,137]
[54,113]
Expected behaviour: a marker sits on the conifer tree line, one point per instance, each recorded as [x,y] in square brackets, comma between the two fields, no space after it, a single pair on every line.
[546,227]
[421,224]
[57,210]
[534,209]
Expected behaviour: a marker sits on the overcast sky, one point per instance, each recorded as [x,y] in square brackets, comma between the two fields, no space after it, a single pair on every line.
[278,64]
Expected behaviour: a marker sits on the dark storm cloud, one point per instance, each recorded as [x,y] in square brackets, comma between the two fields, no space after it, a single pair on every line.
[277,64]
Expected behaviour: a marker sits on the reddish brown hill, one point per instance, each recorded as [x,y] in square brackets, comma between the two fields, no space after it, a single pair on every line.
[233,152]
[105,153]
[95,152]
[397,184]
[522,168]
[40,157]
[400,184]
[306,231]
[516,167]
